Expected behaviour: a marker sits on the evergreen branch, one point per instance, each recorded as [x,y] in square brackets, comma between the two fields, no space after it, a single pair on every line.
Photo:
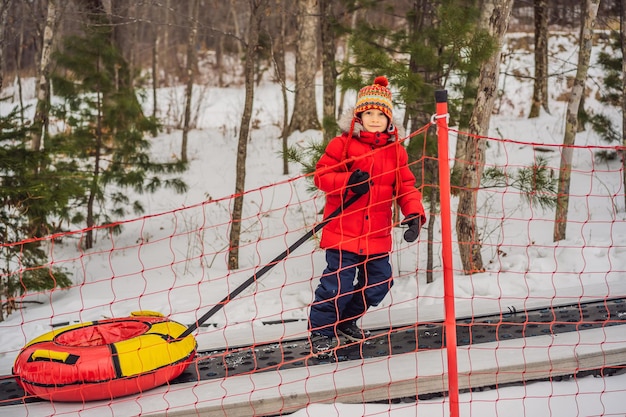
[537,182]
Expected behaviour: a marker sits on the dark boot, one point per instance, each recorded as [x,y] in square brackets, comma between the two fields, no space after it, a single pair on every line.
[353,332]
[322,345]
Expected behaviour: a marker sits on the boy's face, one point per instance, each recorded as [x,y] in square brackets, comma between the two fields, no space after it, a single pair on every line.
[374,120]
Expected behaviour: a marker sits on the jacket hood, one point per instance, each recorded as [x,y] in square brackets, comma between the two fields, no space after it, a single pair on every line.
[345,120]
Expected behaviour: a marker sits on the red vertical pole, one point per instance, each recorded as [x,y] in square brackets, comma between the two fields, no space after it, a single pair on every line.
[441,116]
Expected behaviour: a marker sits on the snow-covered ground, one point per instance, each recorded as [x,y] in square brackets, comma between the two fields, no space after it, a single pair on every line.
[174,260]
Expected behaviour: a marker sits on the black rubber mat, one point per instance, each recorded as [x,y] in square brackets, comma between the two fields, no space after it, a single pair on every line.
[384,342]
[510,325]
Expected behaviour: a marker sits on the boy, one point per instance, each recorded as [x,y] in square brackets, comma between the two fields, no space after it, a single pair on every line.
[367,160]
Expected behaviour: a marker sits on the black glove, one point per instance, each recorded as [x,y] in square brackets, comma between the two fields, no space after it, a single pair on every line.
[414,221]
[358,182]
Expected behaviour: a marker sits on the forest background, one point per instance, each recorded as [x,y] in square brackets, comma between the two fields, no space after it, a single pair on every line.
[69,165]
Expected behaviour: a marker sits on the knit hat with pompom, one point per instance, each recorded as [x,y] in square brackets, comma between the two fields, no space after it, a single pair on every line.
[375,96]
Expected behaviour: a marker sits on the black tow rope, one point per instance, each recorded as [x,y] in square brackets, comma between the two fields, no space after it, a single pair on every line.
[267,267]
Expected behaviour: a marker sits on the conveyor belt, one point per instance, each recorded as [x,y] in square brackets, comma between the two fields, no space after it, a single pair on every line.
[384,342]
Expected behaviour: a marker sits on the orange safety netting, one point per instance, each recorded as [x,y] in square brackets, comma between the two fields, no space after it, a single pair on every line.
[176,262]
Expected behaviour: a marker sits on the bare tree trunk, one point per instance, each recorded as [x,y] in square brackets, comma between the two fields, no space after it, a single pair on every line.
[329,70]
[155,70]
[304,115]
[18,63]
[470,90]
[191,62]
[40,121]
[256,18]
[219,61]
[281,73]
[219,54]
[571,118]
[91,200]
[3,24]
[467,104]
[234,15]
[469,237]
[165,57]
[622,22]
[353,21]
[98,12]
[540,87]
[134,38]
[420,16]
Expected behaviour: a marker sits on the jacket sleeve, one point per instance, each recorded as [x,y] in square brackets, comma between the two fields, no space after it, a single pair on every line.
[331,174]
[409,197]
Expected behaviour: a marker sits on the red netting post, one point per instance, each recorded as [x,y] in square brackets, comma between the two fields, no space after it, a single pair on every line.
[441,117]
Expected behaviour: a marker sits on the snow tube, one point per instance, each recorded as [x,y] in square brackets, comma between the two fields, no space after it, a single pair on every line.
[104,359]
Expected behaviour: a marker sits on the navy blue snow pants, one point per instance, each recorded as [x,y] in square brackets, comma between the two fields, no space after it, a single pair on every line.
[350,284]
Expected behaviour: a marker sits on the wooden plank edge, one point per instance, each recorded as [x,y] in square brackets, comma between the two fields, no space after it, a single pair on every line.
[477,378]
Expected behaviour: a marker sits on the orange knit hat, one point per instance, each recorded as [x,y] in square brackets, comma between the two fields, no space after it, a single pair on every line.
[375,96]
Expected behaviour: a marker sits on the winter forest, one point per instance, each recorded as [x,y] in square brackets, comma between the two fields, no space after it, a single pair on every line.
[97,55]
[102,102]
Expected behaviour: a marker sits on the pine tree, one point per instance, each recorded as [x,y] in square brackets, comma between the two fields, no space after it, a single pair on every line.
[27,197]
[611,62]
[419,54]
[106,131]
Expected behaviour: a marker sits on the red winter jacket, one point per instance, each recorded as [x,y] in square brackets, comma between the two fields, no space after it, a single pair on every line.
[365,226]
